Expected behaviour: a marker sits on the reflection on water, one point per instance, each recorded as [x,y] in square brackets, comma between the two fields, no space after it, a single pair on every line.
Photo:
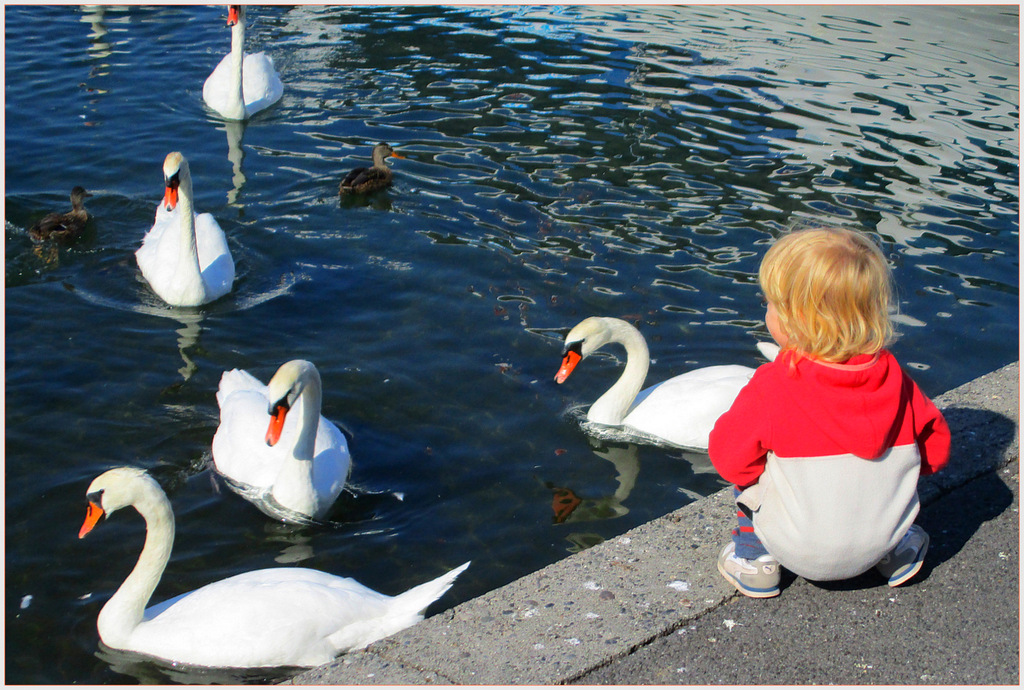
[188,337]
[234,130]
[299,546]
[562,162]
[148,671]
[570,507]
[99,48]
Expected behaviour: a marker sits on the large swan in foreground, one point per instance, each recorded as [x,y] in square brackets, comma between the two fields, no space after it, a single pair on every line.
[184,257]
[680,411]
[261,618]
[273,445]
[242,84]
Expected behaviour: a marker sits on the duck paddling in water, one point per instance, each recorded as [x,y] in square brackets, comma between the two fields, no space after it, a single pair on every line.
[63,227]
[376,177]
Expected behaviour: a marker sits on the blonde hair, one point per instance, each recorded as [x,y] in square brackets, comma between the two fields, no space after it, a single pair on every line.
[832,290]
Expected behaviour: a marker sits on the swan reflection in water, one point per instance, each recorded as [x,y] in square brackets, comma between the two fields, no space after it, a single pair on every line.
[188,338]
[297,543]
[234,130]
[151,671]
[698,478]
[99,47]
[359,513]
[569,508]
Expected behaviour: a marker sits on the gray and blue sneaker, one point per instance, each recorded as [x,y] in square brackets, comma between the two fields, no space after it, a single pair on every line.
[758,578]
[905,561]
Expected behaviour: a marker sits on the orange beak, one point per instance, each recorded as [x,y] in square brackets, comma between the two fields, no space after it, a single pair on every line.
[92,515]
[276,424]
[569,362]
[232,15]
[170,197]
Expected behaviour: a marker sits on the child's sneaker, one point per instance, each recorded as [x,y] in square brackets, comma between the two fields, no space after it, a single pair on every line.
[904,561]
[758,578]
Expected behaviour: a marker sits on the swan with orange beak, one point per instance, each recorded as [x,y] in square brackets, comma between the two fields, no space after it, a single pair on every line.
[274,447]
[185,256]
[678,412]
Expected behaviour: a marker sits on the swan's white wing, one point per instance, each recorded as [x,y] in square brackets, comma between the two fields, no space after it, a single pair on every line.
[240,450]
[215,261]
[261,85]
[238,380]
[331,461]
[147,254]
[769,350]
[684,409]
[271,617]
[218,85]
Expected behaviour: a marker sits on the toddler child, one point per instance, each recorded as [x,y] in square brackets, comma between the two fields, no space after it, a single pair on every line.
[825,444]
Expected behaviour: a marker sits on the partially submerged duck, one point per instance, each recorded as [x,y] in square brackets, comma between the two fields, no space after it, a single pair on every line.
[63,227]
[376,177]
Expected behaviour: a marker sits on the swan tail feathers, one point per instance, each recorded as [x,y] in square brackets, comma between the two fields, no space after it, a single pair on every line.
[768,350]
[402,612]
[420,597]
[236,380]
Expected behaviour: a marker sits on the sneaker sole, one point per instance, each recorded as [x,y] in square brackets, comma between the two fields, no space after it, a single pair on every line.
[911,569]
[748,591]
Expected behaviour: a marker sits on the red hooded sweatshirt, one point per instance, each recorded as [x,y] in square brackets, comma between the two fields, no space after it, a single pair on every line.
[862,407]
[828,457]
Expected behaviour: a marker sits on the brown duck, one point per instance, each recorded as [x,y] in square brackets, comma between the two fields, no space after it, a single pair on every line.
[63,227]
[366,180]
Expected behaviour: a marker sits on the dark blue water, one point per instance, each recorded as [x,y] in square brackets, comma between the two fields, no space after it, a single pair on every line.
[562,163]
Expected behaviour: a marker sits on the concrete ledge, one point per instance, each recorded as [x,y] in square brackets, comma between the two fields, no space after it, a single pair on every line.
[573,616]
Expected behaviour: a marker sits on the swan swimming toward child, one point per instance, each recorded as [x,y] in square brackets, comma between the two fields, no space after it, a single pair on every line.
[680,411]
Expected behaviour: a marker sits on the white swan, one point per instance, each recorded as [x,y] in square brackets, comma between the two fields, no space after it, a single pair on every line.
[184,257]
[241,86]
[681,411]
[273,445]
[261,618]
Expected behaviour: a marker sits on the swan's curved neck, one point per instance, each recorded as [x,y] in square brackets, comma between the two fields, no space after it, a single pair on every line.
[236,105]
[187,236]
[293,487]
[612,407]
[124,611]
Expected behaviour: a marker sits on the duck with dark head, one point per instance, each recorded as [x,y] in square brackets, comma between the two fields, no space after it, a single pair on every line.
[63,227]
[376,177]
